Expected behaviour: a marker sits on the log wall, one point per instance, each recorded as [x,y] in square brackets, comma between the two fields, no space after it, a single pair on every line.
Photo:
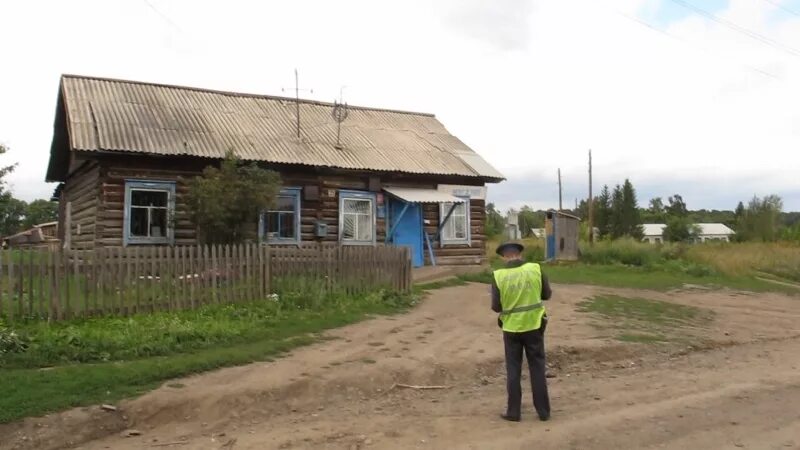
[101,190]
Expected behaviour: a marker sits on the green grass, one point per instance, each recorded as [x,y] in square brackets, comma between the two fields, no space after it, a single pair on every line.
[643,320]
[432,286]
[656,278]
[86,362]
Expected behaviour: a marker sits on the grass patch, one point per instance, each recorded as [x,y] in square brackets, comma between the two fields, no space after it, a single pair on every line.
[441,284]
[643,320]
[124,357]
[653,278]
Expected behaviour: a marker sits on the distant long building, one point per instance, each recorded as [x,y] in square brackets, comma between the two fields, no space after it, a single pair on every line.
[654,232]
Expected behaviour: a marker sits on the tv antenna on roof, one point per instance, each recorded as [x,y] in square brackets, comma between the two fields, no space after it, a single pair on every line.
[297,98]
[339,114]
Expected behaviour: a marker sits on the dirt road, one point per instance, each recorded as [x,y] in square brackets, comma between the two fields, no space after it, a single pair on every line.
[739,389]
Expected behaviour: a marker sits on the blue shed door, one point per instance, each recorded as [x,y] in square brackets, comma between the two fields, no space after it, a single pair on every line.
[409,229]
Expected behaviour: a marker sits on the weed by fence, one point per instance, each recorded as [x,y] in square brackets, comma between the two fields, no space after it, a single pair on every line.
[124,281]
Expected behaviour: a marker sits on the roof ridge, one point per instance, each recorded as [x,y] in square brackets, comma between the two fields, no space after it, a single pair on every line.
[241,94]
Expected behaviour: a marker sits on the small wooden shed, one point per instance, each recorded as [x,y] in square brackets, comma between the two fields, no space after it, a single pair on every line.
[561,235]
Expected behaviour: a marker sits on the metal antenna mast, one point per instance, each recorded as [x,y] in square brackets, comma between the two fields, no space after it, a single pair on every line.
[297,98]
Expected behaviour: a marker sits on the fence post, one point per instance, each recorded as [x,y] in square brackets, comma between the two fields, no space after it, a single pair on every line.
[10,281]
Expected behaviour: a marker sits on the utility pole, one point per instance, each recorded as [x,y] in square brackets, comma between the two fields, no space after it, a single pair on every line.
[591,202]
[560,206]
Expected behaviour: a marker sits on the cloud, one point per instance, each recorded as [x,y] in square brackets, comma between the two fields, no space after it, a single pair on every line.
[504,24]
[695,108]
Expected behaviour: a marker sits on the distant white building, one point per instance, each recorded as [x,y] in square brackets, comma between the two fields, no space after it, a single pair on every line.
[654,232]
[538,232]
[512,226]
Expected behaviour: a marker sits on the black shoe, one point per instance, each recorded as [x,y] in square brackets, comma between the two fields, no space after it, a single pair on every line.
[509,418]
[544,418]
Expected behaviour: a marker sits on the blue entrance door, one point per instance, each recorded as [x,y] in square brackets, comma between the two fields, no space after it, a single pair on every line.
[408,229]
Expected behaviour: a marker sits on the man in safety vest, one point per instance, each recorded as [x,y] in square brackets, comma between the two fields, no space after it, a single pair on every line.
[518,290]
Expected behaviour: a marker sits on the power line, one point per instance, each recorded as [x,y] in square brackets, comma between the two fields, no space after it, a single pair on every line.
[778,5]
[163,16]
[668,34]
[747,32]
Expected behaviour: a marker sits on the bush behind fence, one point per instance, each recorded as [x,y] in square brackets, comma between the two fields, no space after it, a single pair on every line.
[122,281]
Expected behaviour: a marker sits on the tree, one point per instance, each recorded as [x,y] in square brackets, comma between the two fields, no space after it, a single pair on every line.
[40,211]
[677,207]
[617,220]
[678,229]
[11,209]
[530,219]
[225,202]
[602,212]
[739,213]
[656,211]
[760,220]
[495,224]
[631,219]
[12,212]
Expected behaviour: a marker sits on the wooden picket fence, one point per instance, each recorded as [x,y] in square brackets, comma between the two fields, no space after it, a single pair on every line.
[123,281]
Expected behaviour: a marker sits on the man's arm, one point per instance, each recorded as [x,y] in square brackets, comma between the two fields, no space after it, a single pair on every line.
[496,306]
[546,291]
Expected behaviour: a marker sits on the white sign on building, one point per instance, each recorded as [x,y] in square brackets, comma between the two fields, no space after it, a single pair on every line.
[473,192]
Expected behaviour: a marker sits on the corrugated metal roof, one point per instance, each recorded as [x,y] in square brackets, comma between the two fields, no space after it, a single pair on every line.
[117,115]
[707,229]
[412,195]
[653,229]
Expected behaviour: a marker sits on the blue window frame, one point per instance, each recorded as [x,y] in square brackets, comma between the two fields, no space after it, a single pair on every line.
[281,224]
[457,230]
[357,218]
[149,211]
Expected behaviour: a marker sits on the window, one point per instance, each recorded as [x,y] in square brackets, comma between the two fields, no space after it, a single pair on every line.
[356,217]
[149,207]
[456,229]
[282,224]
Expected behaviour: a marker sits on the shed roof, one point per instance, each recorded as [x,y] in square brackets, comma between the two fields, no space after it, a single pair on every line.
[105,115]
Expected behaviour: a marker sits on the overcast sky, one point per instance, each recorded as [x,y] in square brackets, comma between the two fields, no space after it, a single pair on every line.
[701,102]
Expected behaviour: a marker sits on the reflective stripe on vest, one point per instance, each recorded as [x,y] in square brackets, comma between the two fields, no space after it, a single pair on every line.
[520,309]
[520,297]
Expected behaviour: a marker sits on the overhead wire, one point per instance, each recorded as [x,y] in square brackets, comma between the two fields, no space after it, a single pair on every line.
[745,31]
[783,7]
[685,41]
[163,16]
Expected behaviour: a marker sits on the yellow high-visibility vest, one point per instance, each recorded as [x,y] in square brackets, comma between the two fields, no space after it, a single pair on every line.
[520,297]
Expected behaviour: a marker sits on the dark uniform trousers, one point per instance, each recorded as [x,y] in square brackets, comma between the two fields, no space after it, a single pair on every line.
[532,343]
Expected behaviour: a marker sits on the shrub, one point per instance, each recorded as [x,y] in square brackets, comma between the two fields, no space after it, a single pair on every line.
[11,341]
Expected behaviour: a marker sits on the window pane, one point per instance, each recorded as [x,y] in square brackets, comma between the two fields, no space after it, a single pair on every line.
[456,226]
[357,206]
[149,198]
[357,218]
[158,222]
[348,226]
[364,228]
[286,229]
[460,227]
[138,218]
[285,203]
